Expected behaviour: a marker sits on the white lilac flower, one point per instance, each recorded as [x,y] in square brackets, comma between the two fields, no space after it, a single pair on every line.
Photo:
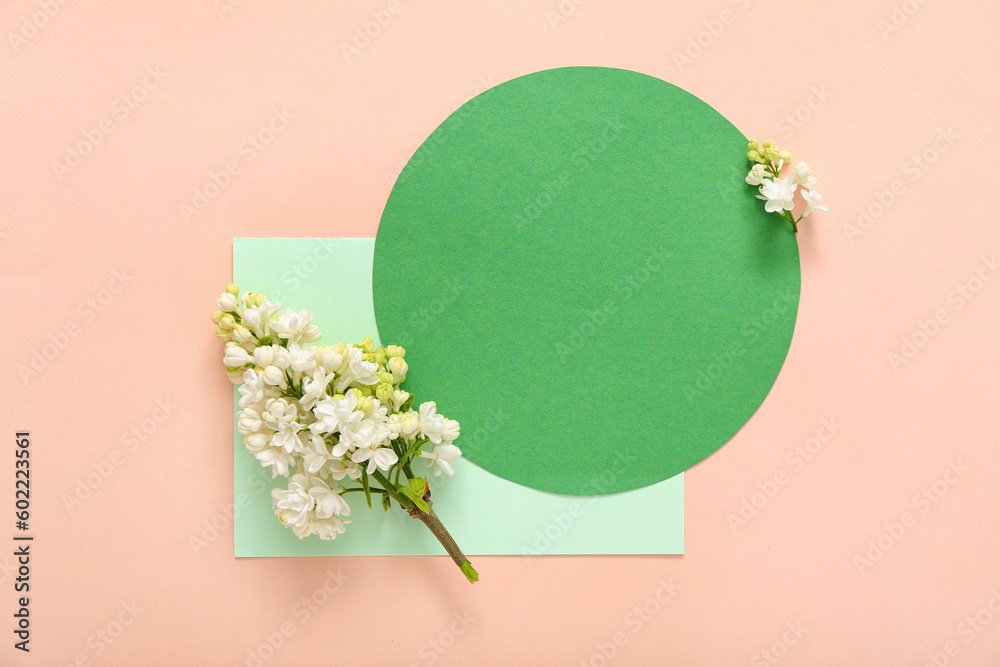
[377,457]
[292,505]
[236,356]
[253,390]
[436,427]
[328,529]
[249,421]
[277,459]
[290,324]
[314,388]
[355,370]
[257,442]
[310,334]
[316,454]
[282,418]
[274,376]
[366,434]
[328,500]
[302,359]
[330,357]
[441,457]
[757,174]
[802,175]
[398,368]
[398,398]
[332,413]
[813,202]
[778,194]
[227,303]
[339,468]
[264,356]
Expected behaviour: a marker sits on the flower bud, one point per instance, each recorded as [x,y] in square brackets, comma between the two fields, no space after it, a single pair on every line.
[233,289]
[274,376]
[383,392]
[222,334]
[785,156]
[395,351]
[385,377]
[236,356]
[752,145]
[241,334]
[367,345]
[217,316]
[398,369]
[227,302]
[753,156]
[227,322]
[380,356]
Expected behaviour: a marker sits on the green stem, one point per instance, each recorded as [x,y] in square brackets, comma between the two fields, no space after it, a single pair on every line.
[372,489]
[390,488]
[433,523]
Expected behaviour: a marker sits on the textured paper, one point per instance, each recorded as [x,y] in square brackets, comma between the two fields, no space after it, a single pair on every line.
[576,249]
[486,513]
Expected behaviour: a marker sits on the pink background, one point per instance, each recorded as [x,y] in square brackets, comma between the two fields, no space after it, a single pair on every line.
[857,100]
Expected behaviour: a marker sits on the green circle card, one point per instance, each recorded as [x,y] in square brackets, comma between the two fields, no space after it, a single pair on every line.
[581,277]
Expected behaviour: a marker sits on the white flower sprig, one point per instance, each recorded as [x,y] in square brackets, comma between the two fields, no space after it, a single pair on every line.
[779,193]
[334,414]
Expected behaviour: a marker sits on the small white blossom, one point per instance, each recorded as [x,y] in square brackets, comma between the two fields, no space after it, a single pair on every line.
[290,324]
[227,303]
[355,370]
[236,356]
[757,174]
[441,457]
[813,202]
[778,194]
[802,175]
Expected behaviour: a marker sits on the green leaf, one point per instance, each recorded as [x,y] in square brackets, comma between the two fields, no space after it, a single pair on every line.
[417,498]
[366,487]
[419,485]
[386,502]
